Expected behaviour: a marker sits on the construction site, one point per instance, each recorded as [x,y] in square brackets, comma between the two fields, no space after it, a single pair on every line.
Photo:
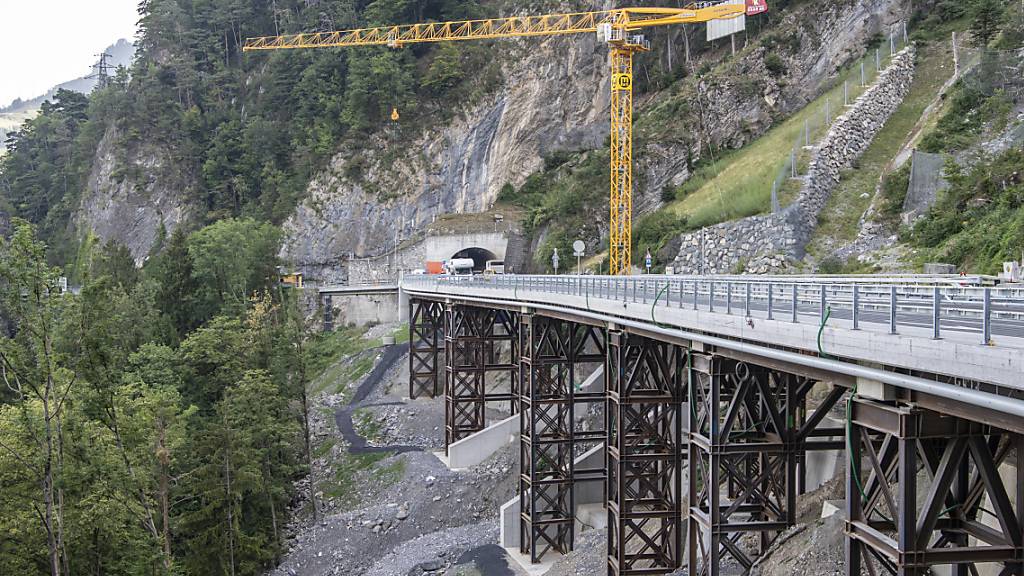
[724,288]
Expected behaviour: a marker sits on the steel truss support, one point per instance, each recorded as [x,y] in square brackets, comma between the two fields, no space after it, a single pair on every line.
[748,433]
[963,517]
[426,347]
[644,454]
[551,352]
[478,342]
[328,307]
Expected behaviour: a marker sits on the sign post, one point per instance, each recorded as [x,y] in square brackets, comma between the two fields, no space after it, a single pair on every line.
[579,249]
[648,261]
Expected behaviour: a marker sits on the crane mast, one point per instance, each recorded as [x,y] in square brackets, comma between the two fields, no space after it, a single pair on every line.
[618,28]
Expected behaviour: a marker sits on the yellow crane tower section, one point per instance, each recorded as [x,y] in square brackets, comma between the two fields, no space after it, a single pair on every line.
[618,28]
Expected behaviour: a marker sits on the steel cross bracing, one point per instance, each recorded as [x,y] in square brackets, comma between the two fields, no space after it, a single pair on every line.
[552,351]
[426,348]
[478,342]
[328,309]
[924,489]
[748,434]
[644,452]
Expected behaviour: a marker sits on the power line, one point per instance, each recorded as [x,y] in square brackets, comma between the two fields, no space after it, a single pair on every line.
[102,70]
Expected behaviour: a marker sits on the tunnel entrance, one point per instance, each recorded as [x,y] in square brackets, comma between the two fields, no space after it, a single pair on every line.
[480,257]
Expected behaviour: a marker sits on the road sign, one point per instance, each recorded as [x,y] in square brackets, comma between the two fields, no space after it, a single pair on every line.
[579,247]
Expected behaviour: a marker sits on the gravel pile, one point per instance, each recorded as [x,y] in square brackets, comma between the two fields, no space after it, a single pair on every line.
[435,552]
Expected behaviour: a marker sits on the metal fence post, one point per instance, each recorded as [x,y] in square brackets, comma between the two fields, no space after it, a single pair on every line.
[936,312]
[695,290]
[711,296]
[796,302]
[770,300]
[856,307]
[892,310]
[728,298]
[986,318]
[746,302]
[824,303]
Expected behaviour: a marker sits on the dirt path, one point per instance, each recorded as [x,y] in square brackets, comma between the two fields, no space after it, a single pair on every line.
[343,417]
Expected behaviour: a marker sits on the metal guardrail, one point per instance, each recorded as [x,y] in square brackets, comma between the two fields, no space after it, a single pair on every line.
[935,303]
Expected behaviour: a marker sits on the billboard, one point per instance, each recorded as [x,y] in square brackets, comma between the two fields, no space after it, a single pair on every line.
[755,7]
[722,28]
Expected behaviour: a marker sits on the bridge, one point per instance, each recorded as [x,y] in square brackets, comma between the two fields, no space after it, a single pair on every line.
[717,390]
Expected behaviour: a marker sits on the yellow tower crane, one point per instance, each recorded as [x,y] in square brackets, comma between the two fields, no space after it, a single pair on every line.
[618,28]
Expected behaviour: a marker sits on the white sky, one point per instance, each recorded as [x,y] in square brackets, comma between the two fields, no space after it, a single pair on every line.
[46,42]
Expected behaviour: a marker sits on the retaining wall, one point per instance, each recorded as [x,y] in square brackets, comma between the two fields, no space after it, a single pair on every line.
[766,243]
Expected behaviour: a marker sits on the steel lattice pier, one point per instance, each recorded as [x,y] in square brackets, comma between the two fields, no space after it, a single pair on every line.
[478,342]
[426,348]
[963,517]
[552,350]
[644,454]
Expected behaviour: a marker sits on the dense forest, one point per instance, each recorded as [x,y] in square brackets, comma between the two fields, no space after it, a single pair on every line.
[156,422]
[251,131]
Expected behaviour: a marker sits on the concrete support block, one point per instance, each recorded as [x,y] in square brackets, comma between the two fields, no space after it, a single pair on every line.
[476,448]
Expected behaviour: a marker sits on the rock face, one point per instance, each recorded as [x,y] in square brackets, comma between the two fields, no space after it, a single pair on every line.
[131,198]
[555,98]
[763,244]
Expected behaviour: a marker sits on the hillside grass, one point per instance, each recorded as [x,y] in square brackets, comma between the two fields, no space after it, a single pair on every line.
[839,220]
[739,183]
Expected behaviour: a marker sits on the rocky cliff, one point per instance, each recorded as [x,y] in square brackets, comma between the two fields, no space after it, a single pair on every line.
[555,97]
[763,244]
[134,194]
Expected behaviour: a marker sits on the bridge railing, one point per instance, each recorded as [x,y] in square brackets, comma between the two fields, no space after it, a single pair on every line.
[938,304]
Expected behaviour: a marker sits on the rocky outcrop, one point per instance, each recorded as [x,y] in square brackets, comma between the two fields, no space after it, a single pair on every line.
[740,99]
[134,193]
[555,98]
[763,244]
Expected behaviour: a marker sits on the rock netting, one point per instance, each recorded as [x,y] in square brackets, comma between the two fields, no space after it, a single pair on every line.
[764,244]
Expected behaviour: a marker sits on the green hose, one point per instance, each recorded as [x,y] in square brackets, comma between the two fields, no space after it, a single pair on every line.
[655,303]
[821,351]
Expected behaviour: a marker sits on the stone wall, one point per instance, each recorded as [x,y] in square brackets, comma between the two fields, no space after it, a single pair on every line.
[766,243]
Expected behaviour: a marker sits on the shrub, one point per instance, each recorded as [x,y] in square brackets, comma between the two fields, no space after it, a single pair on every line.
[774,63]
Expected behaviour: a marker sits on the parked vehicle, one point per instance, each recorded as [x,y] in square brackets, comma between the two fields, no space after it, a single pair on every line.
[494,267]
[460,266]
